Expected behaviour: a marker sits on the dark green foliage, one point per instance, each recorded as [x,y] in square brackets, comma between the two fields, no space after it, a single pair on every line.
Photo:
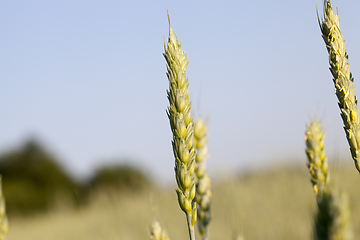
[33,181]
[124,178]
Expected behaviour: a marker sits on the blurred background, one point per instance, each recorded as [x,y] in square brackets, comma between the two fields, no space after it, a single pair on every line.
[83,99]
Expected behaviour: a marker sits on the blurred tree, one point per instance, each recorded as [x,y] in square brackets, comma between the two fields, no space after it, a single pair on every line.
[121,177]
[33,180]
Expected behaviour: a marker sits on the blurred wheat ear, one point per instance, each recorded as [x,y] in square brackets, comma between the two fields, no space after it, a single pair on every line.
[342,77]
[4,225]
[157,232]
[317,159]
[332,218]
[181,123]
[203,192]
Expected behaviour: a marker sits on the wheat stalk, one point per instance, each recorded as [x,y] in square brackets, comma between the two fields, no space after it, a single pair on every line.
[203,192]
[317,160]
[342,77]
[332,218]
[157,232]
[4,225]
[179,113]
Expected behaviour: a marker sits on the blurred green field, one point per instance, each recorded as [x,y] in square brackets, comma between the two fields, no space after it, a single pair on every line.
[273,204]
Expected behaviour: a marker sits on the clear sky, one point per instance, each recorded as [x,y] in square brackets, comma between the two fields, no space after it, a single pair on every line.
[87,78]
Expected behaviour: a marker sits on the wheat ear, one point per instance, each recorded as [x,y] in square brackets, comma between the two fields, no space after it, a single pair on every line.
[342,77]
[332,217]
[203,192]
[4,225]
[157,232]
[181,123]
[317,160]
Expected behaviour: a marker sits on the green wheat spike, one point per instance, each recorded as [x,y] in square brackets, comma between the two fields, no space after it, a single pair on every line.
[343,80]
[179,113]
[332,217]
[317,159]
[157,232]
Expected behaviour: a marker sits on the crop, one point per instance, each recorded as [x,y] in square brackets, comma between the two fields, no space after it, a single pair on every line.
[189,142]
[332,218]
[190,152]
[157,232]
[317,159]
[189,145]
[203,192]
[179,113]
[342,77]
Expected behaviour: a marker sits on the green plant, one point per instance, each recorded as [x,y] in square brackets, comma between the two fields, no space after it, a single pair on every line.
[342,77]
[157,232]
[189,142]
[203,192]
[332,218]
[179,113]
[317,159]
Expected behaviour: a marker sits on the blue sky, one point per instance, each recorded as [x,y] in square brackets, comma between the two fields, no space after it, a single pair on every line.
[87,78]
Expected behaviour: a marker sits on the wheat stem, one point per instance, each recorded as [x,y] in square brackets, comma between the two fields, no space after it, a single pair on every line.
[332,218]
[342,77]
[190,227]
[181,123]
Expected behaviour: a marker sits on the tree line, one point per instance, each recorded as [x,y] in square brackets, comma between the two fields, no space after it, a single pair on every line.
[34,181]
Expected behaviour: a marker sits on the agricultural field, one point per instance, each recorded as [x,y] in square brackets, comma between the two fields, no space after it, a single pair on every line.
[273,204]
[317,200]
